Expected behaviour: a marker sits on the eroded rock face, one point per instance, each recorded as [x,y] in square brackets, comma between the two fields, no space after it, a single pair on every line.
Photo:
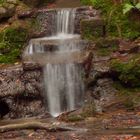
[21,88]
[102,93]
[21,107]
[99,83]
[18,80]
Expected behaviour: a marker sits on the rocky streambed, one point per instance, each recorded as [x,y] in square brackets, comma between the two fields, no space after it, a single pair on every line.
[118,125]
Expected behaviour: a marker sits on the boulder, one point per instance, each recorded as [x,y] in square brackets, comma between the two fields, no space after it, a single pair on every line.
[103,93]
[20,89]
[7,10]
[26,80]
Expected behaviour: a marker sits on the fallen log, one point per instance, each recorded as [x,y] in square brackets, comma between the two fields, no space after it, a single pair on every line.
[25,120]
[35,125]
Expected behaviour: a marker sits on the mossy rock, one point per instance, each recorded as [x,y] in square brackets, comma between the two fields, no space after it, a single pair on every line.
[130,96]
[75,118]
[92,29]
[11,43]
[89,109]
[105,46]
[127,72]
[107,42]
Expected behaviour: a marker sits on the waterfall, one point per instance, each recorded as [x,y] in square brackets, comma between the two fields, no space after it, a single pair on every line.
[64,87]
[63,81]
[65,21]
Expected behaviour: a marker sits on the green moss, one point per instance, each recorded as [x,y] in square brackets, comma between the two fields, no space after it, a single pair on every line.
[34,24]
[117,23]
[89,110]
[132,102]
[2,1]
[75,118]
[92,29]
[11,44]
[130,96]
[129,104]
[127,72]
[104,52]
[105,46]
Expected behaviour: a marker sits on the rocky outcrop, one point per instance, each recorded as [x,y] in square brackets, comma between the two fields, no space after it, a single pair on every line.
[22,79]
[103,93]
[45,19]
[111,73]
[85,13]
[21,88]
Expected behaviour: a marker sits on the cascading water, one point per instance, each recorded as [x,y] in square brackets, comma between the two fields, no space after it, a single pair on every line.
[63,82]
[65,21]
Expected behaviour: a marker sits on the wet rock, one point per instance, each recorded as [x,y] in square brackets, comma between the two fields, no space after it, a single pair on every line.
[18,84]
[26,107]
[10,84]
[37,34]
[103,93]
[31,66]
[45,18]
[99,69]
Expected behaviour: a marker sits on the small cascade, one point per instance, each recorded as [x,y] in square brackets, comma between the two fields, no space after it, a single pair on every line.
[64,87]
[65,21]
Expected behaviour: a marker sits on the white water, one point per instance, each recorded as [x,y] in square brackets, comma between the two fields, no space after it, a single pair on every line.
[64,87]
[63,82]
[65,21]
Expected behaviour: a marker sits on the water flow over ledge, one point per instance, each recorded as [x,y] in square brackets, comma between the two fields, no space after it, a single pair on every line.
[63,82]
